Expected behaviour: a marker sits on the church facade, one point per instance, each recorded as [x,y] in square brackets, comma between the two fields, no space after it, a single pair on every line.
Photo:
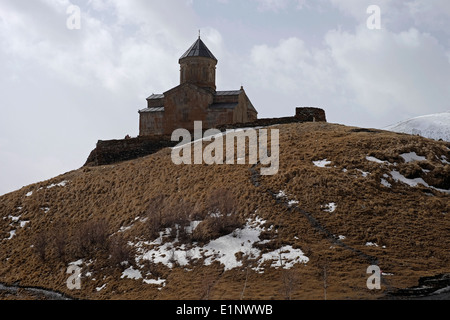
[195,99]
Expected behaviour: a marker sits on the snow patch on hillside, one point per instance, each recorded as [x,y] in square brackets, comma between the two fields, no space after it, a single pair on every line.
[322,163]
[51,186]
[411,157]
[131,273]
[398,177]
[376,160]
[282,195]
[15,223]
[330,207]
[285,257]
[61,184]
[225,250]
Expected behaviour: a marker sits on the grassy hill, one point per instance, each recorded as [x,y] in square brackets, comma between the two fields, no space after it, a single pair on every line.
[345,198]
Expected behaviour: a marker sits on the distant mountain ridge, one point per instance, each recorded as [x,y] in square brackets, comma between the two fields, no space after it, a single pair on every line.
[433,126]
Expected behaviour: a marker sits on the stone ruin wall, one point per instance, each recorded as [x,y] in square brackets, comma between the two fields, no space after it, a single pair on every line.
[114,151]
[309,114]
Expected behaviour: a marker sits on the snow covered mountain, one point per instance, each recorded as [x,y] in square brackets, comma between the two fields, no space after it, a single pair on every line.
[433,126]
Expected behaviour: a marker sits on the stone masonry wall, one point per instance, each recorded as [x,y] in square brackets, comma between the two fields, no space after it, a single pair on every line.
[311,114]
[151,123]
[114,151]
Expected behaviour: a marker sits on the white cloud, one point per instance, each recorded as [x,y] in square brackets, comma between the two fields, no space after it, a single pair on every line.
[363,77]
[405,73]
[65,89]
[31,170]
[434,14]
[394,14]
[277,5]
[102,51]
[292,74]
[429,14]
[358,8]
[292,66]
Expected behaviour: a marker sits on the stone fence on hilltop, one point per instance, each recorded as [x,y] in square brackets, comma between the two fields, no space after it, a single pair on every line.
[114,151]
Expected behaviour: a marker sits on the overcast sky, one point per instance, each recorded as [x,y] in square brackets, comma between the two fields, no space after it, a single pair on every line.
[63,89]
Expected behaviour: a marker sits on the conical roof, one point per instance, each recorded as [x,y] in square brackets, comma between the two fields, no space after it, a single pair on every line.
[198,49]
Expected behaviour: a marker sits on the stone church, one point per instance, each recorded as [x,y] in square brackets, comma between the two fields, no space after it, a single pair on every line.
[195,99]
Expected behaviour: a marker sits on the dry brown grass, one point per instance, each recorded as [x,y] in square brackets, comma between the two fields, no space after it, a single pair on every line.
[135,200]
